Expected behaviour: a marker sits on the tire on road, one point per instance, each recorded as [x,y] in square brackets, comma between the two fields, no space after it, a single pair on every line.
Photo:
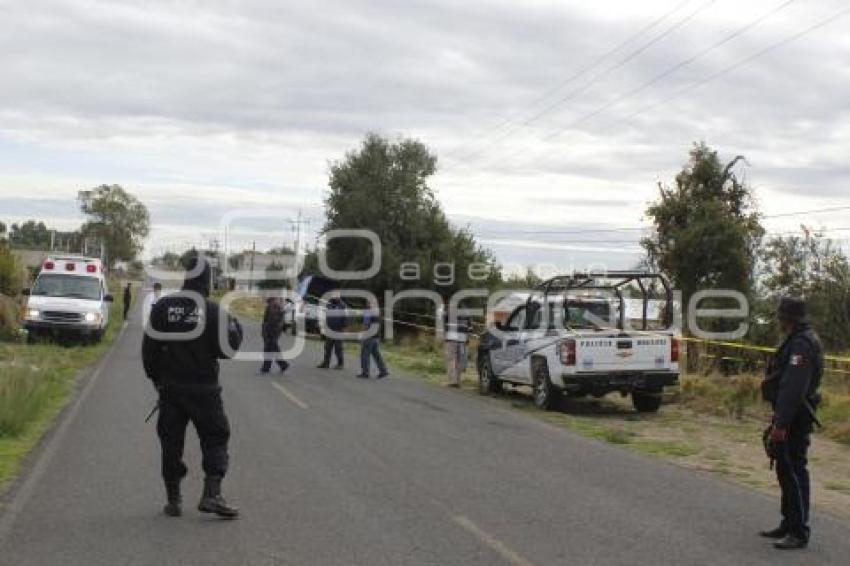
[646,402]
[488,383]
[546,396]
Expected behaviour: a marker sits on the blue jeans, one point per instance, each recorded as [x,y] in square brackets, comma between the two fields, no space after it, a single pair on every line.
[371,348]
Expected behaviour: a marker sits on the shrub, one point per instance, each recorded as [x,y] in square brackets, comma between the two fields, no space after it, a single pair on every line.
[11,272]
[9,318]
[729,396]
[23,396]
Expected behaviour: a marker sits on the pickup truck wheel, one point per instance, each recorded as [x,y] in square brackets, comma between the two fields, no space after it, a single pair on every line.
[646,402]
[487,380]
[544,393]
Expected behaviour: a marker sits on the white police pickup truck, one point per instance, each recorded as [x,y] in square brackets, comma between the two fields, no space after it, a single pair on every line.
[587,334]
[69,296]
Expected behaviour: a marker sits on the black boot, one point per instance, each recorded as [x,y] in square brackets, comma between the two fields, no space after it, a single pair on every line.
[791,542]
[213,502]
[173,507]
[779,532]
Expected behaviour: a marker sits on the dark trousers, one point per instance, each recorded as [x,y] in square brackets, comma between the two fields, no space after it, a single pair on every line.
[205,410]
[793,477]
[334,346]
[126,309]
[271,350]
[371,348]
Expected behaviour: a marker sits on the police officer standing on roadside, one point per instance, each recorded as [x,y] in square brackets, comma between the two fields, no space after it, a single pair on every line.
[791,387]
[180,352]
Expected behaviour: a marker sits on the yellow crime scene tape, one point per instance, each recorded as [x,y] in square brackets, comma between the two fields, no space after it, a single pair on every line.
[755,348]
[725,344]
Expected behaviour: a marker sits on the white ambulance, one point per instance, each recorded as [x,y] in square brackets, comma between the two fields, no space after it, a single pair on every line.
[69,296]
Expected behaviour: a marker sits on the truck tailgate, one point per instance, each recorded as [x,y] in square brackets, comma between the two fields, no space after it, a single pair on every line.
[624,352]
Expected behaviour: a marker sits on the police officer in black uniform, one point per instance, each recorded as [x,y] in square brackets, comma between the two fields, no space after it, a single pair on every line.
[791,386]
[184,369]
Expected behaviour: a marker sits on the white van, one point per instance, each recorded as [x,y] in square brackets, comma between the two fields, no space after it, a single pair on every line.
[69,296]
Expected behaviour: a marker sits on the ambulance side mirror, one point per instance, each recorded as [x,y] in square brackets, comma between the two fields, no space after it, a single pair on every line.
[25,292]
[108,298]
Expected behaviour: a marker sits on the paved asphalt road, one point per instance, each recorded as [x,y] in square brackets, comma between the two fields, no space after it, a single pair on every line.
[328,469]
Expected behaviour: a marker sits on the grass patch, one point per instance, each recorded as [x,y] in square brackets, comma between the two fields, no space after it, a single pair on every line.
[838,486]
[36,381]
[671,448]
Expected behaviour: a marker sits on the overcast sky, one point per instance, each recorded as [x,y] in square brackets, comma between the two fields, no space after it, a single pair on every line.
[545,115]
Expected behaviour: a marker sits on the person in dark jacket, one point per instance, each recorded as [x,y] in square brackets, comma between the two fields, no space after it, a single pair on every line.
[128,297]
[370,346]
[791,387]
[335,322]
[272,328]
[181,352]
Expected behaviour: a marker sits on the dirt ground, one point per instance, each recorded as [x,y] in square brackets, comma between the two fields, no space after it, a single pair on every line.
[723,446]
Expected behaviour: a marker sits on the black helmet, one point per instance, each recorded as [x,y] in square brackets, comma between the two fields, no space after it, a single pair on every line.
[791,309]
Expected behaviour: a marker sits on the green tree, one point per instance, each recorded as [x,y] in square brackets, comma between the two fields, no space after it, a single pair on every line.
[30,234]
[529,280]
[812,267]
[118,218]
[707,230]
[11,272]
[383,187]
[168,260]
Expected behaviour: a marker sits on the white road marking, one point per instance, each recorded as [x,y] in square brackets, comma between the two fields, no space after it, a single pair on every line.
[289,395]
[495,544]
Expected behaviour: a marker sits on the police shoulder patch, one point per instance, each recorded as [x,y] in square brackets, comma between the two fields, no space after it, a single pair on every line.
[799,361]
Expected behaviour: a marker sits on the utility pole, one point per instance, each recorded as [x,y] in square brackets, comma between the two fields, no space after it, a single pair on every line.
[297,235]
[251,279]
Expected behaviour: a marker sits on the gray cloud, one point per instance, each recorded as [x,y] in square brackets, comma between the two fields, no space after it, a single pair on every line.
[260,94]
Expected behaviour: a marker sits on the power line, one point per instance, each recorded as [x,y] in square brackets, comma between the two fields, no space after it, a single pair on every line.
[490,233]
[621,63]
[772,47]
[586,69]
[678,66]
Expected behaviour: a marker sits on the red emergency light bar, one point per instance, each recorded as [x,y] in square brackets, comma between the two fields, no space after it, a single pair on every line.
[91,268]
[70,267]
[48,265]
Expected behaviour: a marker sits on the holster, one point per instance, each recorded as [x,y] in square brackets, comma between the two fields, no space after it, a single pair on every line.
[770,448]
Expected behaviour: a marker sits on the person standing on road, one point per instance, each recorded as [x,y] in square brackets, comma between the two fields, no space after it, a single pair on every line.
[180,353]
[370,346]
[272,328]
[791,387]
[456,334]
[334,322]
[127,298]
